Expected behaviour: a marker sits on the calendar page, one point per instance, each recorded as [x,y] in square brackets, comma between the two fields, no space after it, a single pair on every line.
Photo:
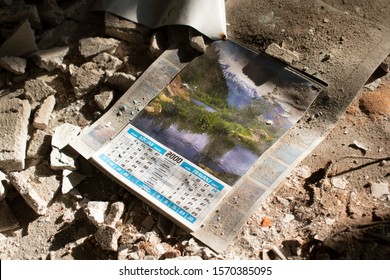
[202,132]
[167,180]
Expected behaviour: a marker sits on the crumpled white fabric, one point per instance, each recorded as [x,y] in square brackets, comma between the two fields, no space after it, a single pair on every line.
[206,16]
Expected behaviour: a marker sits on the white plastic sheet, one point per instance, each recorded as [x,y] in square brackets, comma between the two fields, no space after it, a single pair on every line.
[206,16]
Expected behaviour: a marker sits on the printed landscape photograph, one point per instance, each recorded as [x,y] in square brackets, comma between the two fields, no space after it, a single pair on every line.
[226,108]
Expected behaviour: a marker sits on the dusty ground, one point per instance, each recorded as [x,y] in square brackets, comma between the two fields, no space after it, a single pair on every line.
[324,210]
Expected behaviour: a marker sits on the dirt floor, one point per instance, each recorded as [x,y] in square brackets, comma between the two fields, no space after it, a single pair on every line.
[332,206]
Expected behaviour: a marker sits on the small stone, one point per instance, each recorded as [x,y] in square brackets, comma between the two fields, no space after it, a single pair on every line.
[266,222]
[70,179]
[116,212]
[197,42]
[330,221]
[107,237]
[285,55]
[109,63]
[96,212]
[50,59]
[288,218]
[133,256]
[39,145]
[104,99]
[15,65]
[21,43]
[94,45]
[193,248]
[121,81]
[43,114]
[379,189]
[339,182]
[326,20]
[7,219]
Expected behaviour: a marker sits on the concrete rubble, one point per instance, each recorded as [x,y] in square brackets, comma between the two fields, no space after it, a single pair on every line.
[104,99]
[157,45]
[36,91]
[39,145]
[96,212]
[109,63]
[70,179]
[94,45]
[22,42]
[121,81]
[17,13]
[85,78]
[43,114]
[379,189]
[124,29]
[50,12]
[61,156]
[14,120]
[197,41]
[16,65]
[51,59]
[36,185]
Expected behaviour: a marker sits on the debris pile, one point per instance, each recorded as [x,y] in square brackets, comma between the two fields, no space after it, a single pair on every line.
[58,74]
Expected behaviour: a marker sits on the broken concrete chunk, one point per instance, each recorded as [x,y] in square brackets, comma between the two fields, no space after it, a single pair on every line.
[104,99]
[17,13]
[285,55]
[39,145]
[94,45]
[21,43]
[96,212]
[124,29]
[116,211]
[107,237]
[51,13]
[36,91]
[15,65]
[379,189]
[14,120]
[70,179]
[64,159]
[43,114]
[7,219]
[85,78]
[36,187]
[197,41]
[63,134]
[121,81]
[50,59]
[109,63]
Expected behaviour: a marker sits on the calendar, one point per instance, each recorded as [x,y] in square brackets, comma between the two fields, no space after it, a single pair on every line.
[166,179]
[186,135]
